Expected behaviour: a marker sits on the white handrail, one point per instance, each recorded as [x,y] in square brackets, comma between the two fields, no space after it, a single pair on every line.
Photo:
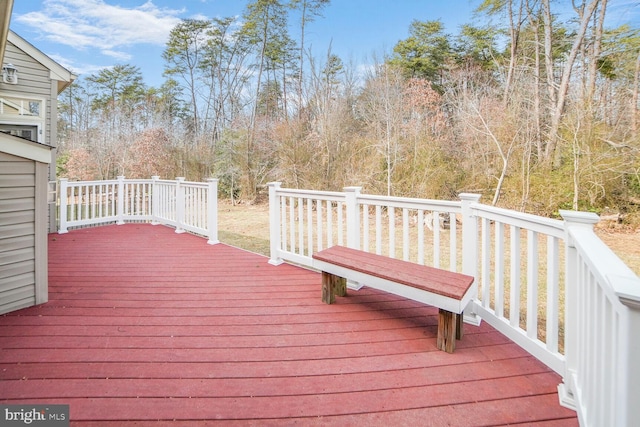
[187,206]
[551,286]
[521,280]
[602,379]
[577,309]
[305,221]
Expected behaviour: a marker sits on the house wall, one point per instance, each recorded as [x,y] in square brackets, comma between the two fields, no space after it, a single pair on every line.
[23,239]
[25,170]
[34,81]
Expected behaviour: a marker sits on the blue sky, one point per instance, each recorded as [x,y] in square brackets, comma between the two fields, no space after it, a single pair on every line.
[88,35]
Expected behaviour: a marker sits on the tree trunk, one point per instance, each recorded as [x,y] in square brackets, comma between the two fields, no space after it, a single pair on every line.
[303,21]
[536,92]
[634,99]
[595,53]
[514,31]
[576,174]
[548,51]
[250,187]
[551,152]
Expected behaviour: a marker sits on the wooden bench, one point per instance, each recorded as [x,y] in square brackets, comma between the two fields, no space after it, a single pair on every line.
[449,291]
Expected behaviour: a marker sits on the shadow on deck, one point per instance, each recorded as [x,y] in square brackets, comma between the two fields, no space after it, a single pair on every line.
[145,325]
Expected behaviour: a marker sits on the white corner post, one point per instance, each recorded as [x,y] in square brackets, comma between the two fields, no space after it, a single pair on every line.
[628,368]
[155,199]
[180,204]
[274,224]
[120,206]
[572,219]
[352,195]
[212,210]
[353,216]
[470,252]
[62,215]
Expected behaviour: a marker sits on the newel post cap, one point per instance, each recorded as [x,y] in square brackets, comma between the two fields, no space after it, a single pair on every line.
[352,189]
[470,197]
[586,219]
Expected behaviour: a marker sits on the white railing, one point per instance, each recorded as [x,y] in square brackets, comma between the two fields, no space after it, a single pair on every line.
[521,277]
[305,221]
[187,206]
[602,377]
[551,286]
[577,309]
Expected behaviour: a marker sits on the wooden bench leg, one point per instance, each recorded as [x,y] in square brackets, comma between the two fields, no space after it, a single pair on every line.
[332,285]
[340,286]
[459,326]
[447,330]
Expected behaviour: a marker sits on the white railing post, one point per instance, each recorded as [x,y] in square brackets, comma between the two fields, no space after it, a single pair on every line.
[469,235]
[353,216]
[62,195]
[212,210]
[584,220]
[628,368]
[353,224]
[602,379]
[274,223]
[120,206]
[180,205]
[470,253]
[154,199]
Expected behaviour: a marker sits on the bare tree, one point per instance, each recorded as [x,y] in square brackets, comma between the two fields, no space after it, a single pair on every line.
[224,66]
[264,27]
[309,10]
[634,97]
[382,108]
[183,56]
[596,50]
[551,153]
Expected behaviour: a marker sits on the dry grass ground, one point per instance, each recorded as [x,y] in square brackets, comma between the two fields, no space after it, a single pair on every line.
[247,227]
[244,226]
[625,243]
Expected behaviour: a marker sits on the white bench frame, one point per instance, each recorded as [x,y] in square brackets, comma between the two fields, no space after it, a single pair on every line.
[451,309]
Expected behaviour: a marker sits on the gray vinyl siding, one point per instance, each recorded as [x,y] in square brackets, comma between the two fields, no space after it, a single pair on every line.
[17,232]
[34,80]
[25,214]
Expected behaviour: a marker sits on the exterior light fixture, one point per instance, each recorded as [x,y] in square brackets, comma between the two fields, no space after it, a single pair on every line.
[9,74]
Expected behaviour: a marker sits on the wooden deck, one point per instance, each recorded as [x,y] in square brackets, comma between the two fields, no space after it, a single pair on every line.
[145,326]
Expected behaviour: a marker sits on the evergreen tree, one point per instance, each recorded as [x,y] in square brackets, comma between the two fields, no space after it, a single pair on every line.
[183,56]
[425,53]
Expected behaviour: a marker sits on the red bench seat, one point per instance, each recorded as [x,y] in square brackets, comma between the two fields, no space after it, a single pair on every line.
[447,290]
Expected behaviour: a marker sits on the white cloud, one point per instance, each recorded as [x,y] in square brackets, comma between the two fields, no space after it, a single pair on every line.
[119,56]
[94,24]
[76,67]
[200,16]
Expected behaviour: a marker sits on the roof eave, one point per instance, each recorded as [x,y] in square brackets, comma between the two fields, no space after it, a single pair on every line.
[56,71]
[24,148]
[6,7]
